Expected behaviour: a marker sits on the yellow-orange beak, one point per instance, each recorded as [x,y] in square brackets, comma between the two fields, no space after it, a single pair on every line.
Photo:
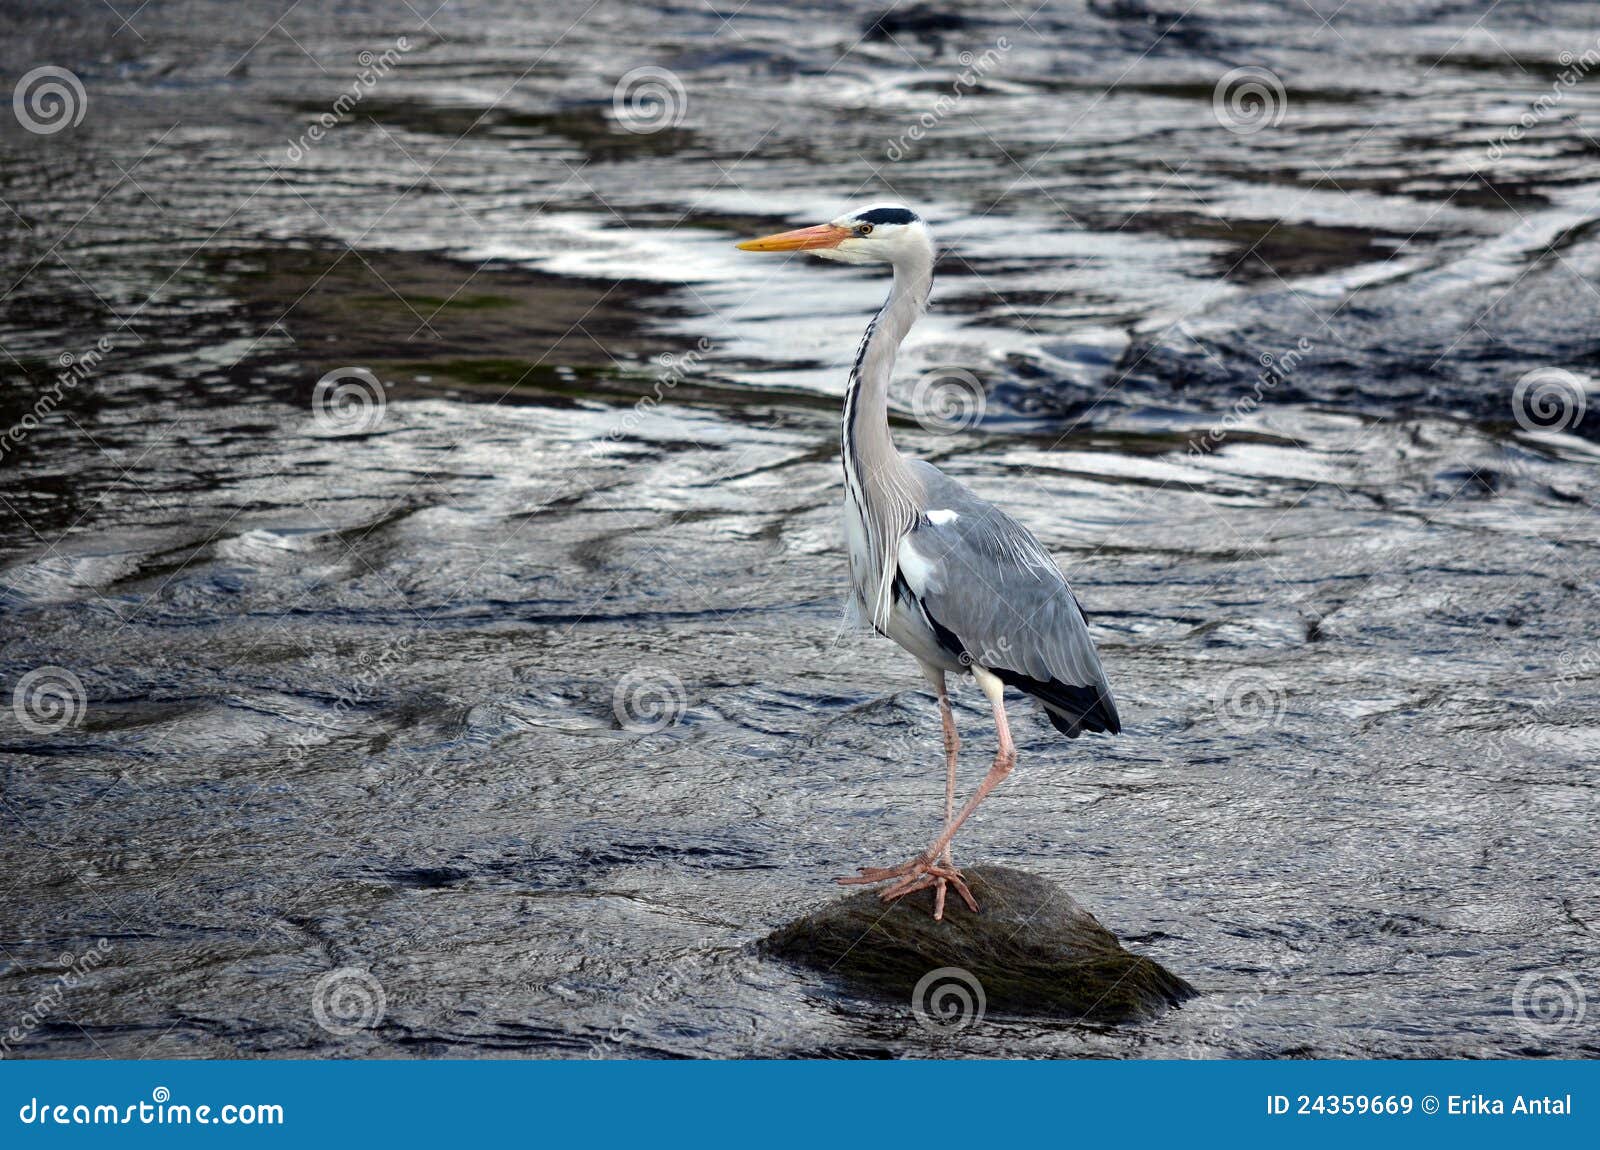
[799,240]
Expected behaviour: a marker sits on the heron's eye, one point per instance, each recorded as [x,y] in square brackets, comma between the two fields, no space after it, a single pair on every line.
[863,229]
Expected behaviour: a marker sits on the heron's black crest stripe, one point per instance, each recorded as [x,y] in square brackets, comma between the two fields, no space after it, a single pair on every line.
[888,216]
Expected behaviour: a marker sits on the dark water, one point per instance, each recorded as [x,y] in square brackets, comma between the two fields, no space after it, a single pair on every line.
[497,709]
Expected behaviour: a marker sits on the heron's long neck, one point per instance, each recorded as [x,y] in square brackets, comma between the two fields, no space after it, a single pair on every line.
[871,462]
[877,480]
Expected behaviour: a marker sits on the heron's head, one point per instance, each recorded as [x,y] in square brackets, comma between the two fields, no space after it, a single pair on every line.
[882,233]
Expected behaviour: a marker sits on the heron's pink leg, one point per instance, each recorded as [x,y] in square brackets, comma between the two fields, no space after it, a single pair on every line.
[914,875]
[952,744]
[1005,759]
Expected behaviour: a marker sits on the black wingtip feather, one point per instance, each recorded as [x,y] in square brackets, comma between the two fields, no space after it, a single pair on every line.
[1070,709]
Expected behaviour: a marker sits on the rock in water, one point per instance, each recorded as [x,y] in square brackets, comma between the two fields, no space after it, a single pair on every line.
[1031,948]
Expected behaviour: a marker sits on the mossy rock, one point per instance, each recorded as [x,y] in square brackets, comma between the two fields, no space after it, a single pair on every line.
[1031,948]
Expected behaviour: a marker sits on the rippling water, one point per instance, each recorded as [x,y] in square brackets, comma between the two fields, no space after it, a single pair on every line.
[502,707]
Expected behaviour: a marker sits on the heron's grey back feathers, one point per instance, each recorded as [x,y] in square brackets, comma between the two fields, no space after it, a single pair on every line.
[987,584]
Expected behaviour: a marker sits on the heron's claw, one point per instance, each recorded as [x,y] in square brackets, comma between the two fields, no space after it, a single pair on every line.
[909,877]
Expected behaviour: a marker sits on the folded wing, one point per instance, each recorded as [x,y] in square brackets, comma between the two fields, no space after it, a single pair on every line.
[994,597]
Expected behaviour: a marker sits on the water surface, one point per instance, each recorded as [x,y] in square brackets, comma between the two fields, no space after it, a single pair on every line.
[517,691]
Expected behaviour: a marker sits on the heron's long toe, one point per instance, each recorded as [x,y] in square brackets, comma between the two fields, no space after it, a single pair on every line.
[871,874]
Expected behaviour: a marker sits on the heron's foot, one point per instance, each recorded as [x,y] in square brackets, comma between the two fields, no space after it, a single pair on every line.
[918,874]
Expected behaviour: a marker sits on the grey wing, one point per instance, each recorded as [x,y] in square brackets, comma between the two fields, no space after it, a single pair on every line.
[994,597]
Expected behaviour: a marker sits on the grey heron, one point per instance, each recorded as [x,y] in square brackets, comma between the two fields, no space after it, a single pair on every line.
[950,577]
